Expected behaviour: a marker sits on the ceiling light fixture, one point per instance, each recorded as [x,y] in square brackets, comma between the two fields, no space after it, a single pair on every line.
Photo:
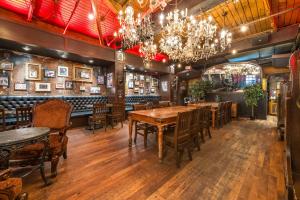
[91,61]
[91,16]
[234,51]
[26,48]
[244,28]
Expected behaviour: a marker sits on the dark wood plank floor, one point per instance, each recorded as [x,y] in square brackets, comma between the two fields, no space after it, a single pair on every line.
[242,161]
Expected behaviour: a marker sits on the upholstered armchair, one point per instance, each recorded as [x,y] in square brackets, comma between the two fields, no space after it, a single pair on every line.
[10,188]
[54,114]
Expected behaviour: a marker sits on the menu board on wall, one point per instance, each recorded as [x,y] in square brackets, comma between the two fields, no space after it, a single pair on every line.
[140,84]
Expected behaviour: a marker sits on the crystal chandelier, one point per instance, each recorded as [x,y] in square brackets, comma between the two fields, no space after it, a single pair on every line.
[187,39]
[148,50]
[134,30]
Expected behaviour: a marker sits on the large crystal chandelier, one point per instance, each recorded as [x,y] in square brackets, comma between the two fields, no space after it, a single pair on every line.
[148,50]
[187,39]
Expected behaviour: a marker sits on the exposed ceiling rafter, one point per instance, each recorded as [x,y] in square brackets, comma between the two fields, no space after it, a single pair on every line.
[73,11]
[32,5]
[98,21]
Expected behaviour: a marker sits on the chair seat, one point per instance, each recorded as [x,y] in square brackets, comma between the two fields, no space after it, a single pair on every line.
[35,150]
[14,185]
[114,115]
[97,118]
[169,137]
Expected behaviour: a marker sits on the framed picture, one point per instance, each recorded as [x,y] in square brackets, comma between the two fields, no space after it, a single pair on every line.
[43,87]
[83,74]
[130,76]
[60,86]
[147,79]
[7,66]
[4,79]
[136,90]
[130,84]
[136,83]
[154,82]
[95,90]
[100,80]
[164,86]
[141,90]
[33,71]
[48,73]
[152,90]
[62,71]
[142,77]
[109,83]
[82,88]
[20,86]
[69,85]
[142,84]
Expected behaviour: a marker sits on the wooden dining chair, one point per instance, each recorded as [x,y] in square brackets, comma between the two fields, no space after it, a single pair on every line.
[180,138]
[142,128]
[99,116]
[229,111]
[195,127]
[2,120]
[23,117]
[117,114]
[205,117]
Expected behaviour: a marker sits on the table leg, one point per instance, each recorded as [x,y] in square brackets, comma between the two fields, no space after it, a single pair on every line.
[160,143]
[130,131]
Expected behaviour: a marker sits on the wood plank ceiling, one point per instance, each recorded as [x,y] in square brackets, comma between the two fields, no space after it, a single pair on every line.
[59,12]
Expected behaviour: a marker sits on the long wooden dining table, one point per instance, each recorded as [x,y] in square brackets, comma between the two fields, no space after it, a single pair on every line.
[160,118]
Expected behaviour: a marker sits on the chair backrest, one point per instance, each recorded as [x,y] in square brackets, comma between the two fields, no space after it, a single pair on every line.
[2,120]
[54,114]
[139,107]
[195,120]
[23,116]
[118,108]
[99,110]
[206,114]
[163,104]
[183,127]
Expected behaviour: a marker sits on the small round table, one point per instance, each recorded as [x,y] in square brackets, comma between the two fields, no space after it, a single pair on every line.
[13,140]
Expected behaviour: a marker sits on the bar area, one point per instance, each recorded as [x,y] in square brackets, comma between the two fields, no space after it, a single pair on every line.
[149,99]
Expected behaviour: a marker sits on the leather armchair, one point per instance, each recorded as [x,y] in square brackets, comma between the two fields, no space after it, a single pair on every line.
[54,114]
[11,188]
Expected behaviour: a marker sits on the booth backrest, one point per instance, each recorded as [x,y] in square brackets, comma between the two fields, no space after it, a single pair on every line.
[138,99]
[79,102]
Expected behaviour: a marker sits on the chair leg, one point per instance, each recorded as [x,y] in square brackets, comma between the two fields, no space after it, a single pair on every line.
[197,142]
[54,163]
[202,135]
[145,138]
[65,156]
[177,158]
[135,135]
[208,131]
[190,153]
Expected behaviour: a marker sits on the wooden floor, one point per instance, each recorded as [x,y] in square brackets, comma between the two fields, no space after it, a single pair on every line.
[242,161]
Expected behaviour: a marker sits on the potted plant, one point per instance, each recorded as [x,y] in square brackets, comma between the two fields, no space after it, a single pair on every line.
[199,90]
[252,95]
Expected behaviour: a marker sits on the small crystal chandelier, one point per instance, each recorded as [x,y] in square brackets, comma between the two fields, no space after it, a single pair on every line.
[148,50]
[134,30]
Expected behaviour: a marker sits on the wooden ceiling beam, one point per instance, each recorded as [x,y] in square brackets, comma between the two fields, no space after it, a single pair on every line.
[73,12]
[113,6]
[98,21]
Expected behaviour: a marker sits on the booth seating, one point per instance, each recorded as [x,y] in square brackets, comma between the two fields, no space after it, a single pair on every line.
[80,104]
[139,99]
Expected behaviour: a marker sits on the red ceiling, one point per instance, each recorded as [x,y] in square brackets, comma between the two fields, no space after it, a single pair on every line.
[59,13]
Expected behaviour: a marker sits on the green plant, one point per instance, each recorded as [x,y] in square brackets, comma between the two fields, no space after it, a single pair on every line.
[199,89]
[252,95]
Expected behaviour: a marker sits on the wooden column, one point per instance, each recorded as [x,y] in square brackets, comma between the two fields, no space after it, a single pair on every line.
[119,79]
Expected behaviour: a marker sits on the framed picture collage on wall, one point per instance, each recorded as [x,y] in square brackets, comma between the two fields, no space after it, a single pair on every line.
[140,84]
